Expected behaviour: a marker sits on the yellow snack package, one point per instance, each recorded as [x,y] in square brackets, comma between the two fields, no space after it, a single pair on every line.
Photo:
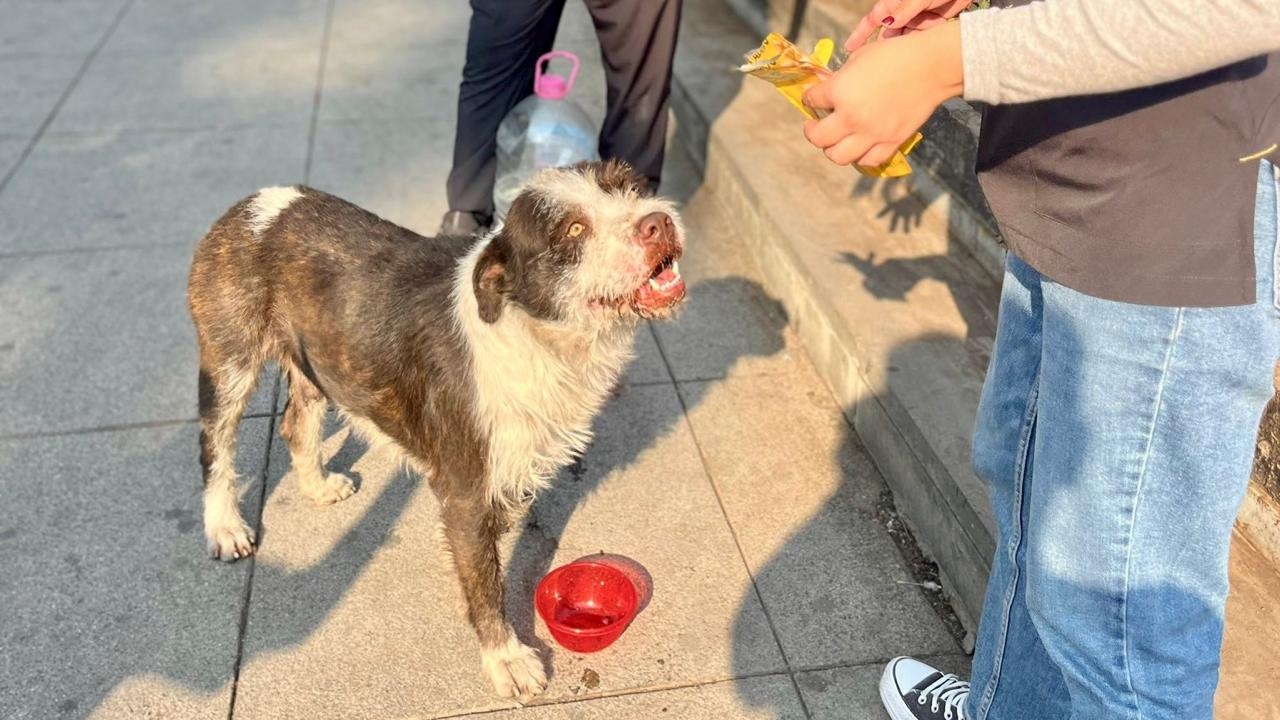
[780,63]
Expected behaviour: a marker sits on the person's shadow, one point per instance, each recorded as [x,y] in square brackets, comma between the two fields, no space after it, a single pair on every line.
[875,597]
[761,321]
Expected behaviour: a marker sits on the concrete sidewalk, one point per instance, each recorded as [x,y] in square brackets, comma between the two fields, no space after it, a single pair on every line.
[725,466]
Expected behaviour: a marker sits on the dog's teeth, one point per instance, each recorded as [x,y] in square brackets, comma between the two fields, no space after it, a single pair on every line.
[653,283]
[675,267]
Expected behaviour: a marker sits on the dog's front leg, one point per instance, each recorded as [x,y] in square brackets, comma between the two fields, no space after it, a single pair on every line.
[472,527]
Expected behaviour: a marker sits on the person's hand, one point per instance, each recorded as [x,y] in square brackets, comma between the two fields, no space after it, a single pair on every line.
[899,17]
[883,94]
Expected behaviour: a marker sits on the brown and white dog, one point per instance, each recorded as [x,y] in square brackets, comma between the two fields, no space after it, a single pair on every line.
[483,361]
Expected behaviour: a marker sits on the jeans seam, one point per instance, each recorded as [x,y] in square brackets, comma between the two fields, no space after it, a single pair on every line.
[1024,449]
[1174,334]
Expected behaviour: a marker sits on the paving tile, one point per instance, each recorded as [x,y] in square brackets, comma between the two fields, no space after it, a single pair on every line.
[854,692]
[10,148]
[380,82]
[354,614]
[112,608]
[771,697]
[70,27]
[394,168]
[702,66]
[641,492]
[729,324]
[648,366]
[703,21]
[166,27]
[131,188]
[98,339]
[802,502]
[393,24]
[407,23]
[30,87]
[212,87]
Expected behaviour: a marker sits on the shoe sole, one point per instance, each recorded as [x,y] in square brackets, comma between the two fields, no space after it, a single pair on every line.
[890,698]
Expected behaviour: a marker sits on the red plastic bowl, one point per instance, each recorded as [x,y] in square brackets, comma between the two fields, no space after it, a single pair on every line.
[586,605]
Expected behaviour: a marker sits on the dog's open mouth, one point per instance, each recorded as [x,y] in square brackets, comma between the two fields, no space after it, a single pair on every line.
[664,288]
[660,292]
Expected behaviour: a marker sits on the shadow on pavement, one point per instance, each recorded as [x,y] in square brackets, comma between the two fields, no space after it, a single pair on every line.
[538,537]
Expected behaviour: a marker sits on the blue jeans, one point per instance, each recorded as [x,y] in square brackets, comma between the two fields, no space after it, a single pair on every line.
[1117,442]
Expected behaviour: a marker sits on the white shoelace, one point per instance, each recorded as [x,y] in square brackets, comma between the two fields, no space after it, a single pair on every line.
[949,692]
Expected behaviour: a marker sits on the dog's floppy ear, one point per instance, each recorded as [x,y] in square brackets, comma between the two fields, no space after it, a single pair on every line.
[491,279]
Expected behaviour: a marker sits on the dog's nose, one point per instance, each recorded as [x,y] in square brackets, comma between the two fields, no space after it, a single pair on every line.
[654,225]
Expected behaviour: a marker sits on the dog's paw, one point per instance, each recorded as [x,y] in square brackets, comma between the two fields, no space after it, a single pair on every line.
[229,541]
[335,487]
[516,670]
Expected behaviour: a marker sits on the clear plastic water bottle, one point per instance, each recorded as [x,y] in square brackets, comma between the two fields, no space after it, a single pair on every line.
[547,129]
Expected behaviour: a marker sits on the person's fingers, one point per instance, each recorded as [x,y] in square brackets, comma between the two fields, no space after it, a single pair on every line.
[848,150]
[925,20]
[879,154]
[866,27]
[861,33]
[825,132]
[905,13]
[819,96]
[809,126]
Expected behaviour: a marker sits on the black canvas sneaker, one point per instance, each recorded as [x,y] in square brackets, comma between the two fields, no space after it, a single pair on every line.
[911,690]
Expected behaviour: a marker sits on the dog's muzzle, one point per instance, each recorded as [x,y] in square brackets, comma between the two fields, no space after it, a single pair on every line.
[656,232]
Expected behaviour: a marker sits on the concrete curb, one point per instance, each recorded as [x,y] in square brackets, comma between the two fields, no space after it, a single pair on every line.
[1259,522]
[951,533]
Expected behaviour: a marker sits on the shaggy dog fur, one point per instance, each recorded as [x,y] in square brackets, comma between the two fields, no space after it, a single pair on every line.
[484,361]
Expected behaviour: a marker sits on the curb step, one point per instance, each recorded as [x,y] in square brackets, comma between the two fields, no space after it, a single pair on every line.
[891,303]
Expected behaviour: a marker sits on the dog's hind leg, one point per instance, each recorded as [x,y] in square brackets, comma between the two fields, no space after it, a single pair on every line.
[303,427]
[225,389]
[472,527]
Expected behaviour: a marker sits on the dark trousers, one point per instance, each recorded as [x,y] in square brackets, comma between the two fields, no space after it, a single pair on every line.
[638,43]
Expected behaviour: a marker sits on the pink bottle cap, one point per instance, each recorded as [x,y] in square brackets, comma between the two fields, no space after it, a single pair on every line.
[554,87]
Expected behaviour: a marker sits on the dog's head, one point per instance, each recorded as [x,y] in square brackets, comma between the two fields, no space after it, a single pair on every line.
[584,244]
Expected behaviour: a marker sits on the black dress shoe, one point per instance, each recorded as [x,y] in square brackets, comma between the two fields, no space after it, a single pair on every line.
[460,223]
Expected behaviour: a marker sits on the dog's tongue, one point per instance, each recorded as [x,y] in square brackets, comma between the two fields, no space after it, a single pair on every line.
[661,290]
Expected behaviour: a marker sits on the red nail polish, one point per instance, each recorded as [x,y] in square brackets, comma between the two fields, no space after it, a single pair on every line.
[888,20]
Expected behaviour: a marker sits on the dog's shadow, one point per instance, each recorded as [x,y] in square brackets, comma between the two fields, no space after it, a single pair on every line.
[348,455]
[726,320]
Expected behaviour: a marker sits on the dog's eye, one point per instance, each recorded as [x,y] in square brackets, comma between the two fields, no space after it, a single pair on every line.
[576,230]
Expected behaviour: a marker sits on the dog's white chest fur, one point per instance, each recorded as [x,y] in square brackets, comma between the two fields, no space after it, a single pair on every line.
[538,387]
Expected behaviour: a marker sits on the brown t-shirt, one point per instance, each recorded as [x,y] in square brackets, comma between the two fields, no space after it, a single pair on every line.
[1138,196]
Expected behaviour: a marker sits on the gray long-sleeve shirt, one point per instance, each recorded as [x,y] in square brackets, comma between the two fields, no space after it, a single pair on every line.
[1063,48]
[1119,142]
